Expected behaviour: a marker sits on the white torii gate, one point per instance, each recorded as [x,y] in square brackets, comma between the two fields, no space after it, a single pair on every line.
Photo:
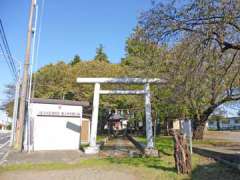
[93,148]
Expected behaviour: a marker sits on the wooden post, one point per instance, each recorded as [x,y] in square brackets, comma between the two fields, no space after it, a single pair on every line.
[182,154]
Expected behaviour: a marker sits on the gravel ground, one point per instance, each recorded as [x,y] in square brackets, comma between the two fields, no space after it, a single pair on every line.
[37,157]
[118,147]
[229,141]
[75,174]
[231,136]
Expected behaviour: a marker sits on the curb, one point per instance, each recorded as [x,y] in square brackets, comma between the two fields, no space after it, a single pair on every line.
[230,160]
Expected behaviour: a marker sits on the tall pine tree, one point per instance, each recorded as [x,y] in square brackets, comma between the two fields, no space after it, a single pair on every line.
[101,55]
[75,60]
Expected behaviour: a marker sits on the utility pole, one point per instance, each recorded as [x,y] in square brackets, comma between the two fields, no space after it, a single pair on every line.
[15,107]
[23,98]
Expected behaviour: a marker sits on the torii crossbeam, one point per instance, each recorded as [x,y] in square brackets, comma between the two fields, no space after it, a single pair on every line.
[93,148]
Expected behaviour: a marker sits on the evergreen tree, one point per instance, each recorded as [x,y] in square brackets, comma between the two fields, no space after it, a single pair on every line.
[101,55]
[75,60]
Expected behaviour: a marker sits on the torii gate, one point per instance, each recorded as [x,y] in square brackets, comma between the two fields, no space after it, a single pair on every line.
[93,148]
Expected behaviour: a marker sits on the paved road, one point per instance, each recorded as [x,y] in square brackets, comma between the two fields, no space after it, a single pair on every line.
[4,145]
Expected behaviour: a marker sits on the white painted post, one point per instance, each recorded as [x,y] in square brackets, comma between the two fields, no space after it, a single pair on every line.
[190,135]
[148,116]
[95,115]
[93,148]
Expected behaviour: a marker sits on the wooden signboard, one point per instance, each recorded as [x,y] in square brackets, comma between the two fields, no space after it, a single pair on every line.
[85,131]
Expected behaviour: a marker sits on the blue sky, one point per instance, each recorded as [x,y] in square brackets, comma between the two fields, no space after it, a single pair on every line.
[70,27]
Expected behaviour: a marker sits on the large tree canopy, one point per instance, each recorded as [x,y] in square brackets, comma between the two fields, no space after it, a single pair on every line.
[58,81]
[204,68]
[214,21]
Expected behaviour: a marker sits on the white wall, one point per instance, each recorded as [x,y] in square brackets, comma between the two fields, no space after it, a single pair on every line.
[55,127]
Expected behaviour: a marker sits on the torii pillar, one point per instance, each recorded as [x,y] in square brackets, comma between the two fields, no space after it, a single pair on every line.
[94,148]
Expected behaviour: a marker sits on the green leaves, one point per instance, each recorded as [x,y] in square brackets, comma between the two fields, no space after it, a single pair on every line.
[75,60]
[101,55]
[59,81]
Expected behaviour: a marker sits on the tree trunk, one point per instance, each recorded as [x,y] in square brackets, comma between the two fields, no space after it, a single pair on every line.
[200,124]
[182,154]
[199,131]
[218,125]
[166,129]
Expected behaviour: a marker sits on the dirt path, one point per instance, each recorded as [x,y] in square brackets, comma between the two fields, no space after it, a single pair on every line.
[118,147]
[231,136]
[71,156]
[75,174]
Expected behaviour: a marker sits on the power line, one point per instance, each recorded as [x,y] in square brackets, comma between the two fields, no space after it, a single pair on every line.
[7,46]
[7,53]
[6,59]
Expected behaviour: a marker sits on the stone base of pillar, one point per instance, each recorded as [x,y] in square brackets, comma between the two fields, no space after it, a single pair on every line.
[92,149]
[151,152]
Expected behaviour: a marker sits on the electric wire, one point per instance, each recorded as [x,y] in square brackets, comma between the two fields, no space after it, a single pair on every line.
[6,59]
[5,42]
[6,51]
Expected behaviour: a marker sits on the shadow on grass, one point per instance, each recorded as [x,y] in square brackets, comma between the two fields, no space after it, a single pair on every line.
[150,162]
[214,171]
[163,143]
[165,152]
[114,147]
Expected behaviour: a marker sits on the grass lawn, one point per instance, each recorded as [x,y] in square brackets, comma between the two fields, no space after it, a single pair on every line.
[101,138]
[144,168]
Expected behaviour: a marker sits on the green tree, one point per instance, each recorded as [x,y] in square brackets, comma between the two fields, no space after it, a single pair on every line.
[214,21]
[148,59]
[8,107]
[75,60]
[101,55]
[59,81]
[53,81]
[143,56]
[204,65]
[9,103]
[202,80]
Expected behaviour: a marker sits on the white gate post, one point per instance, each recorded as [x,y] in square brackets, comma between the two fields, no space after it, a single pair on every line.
[93,149]
[148,116]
